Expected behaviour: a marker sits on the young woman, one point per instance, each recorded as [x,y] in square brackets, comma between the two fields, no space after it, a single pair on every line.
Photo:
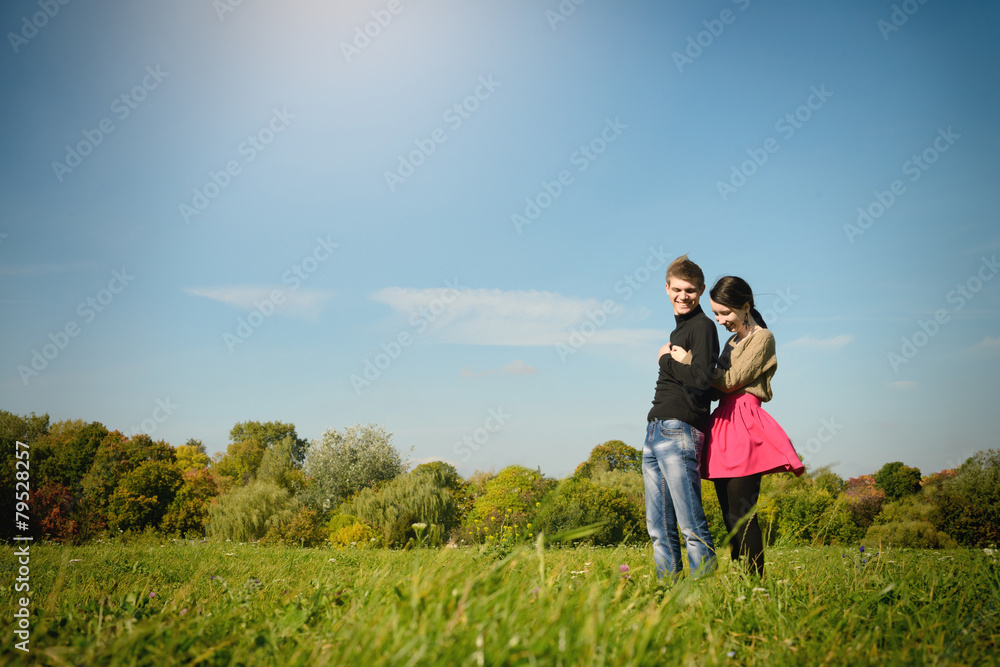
[745,442]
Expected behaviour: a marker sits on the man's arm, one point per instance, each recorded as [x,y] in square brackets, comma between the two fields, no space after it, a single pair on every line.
[704,352]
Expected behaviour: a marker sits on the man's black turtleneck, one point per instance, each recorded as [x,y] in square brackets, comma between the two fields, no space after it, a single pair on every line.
[682,390]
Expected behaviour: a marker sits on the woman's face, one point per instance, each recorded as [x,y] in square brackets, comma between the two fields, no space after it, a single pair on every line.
[727,317]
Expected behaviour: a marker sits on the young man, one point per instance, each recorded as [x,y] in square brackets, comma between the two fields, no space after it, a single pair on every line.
[676,425]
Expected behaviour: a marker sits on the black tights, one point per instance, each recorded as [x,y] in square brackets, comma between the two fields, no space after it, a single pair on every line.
[737,496]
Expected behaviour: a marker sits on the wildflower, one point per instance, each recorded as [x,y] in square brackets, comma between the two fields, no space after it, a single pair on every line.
[623,568]
[184,611]
[152,594]
[861,548]
[75,560]
[731,654]
[419,525]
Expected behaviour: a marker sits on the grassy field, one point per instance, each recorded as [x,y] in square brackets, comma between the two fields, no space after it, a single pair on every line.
[166,602]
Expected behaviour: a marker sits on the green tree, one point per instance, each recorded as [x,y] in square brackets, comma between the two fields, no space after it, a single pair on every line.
[827,480]
[507,505]
[246,513]
[280,465]
[419,496]
[248,443]
[897,480]
[191,456]
[117,456]
[344,462]
[578,502]
[968,504]
[188,513]
[28,430]
[143,495]
[66,453]
[611,455]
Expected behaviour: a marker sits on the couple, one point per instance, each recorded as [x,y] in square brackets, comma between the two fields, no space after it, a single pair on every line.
[743,442]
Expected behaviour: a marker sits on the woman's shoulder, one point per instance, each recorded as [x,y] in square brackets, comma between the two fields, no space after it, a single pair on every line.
[759,337]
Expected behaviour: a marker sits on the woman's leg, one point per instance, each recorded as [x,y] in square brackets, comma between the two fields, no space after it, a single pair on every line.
[737,496]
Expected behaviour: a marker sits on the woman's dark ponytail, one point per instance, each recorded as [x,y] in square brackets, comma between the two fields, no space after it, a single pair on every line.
[756,316]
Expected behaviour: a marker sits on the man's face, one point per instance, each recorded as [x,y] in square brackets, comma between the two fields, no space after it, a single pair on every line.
[683,295]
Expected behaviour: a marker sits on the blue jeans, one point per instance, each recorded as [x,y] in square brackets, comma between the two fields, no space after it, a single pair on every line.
[671,475]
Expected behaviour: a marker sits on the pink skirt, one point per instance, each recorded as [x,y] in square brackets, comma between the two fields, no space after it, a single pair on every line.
[745,440]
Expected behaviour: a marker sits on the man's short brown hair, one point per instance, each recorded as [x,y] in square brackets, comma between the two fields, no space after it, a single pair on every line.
[684,269]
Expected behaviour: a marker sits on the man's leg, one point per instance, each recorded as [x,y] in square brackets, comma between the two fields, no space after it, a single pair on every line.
[684,485]
[661,522]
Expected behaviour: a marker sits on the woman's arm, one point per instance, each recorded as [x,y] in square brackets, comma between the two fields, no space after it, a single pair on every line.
[746,363]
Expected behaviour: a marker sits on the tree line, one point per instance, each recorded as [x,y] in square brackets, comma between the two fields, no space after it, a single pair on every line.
[352,488]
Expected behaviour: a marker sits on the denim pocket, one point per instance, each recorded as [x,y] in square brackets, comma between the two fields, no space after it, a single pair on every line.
[668,431]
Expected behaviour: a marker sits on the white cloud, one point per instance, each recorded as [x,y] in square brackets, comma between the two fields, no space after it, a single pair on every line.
[813,343]
[988,343]
[298,303]
[497,317]
[514,368]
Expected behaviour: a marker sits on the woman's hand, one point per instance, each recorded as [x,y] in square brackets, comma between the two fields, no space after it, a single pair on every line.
[664,350]
[678,353]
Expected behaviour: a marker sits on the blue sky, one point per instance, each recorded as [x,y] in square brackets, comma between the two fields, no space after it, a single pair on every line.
[216,212]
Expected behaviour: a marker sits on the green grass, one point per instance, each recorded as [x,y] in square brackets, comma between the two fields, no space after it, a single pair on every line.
[225,604]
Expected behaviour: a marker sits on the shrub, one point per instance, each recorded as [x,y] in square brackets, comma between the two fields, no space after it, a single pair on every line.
[897,480]
[968,505]
[908,523]
[828,481]
[345,462]
[800,514]
[345,531]
[416,497]
[143,496]
[611,455]
[188,513]
[508,504]
[52,504]
[579,502]
[629,483]
[304,529]
[471,490]
[864,500]
[246,513]
[909,534]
